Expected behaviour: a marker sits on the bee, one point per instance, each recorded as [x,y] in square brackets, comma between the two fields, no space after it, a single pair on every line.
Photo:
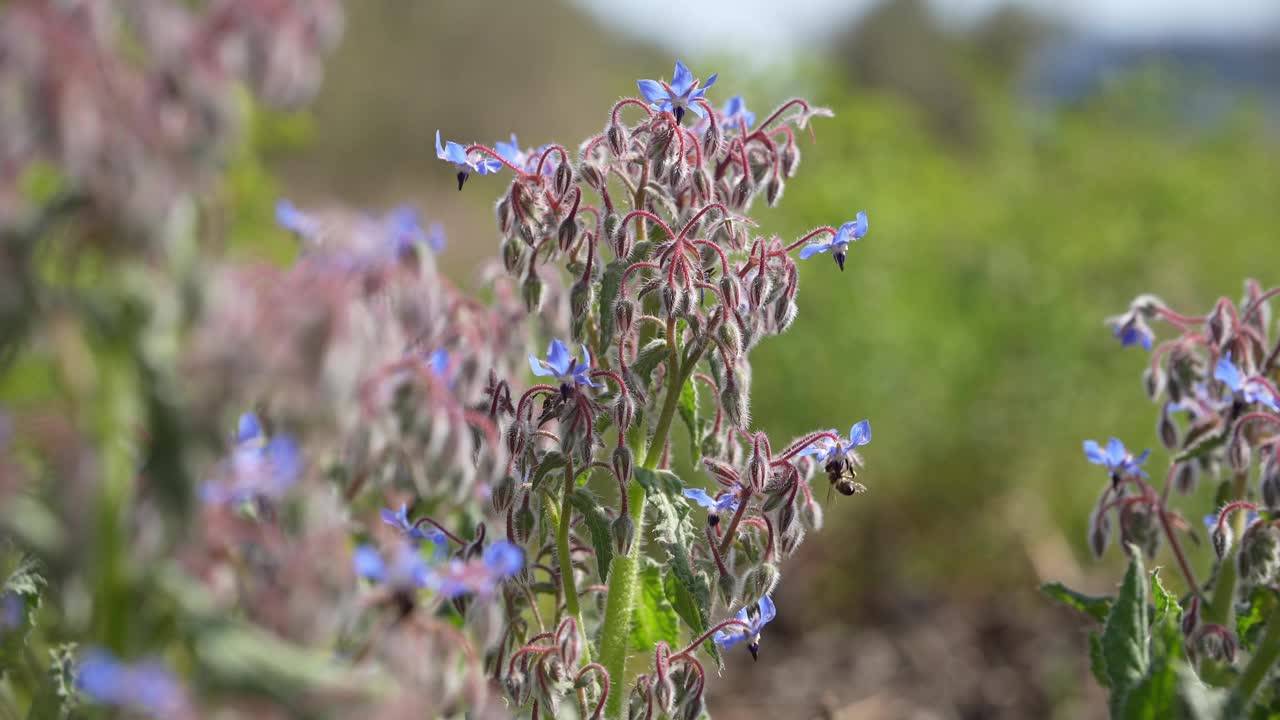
[842,476]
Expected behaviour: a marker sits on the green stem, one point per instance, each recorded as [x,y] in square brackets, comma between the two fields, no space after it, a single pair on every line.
[1260,664]
[567,581]
[1224,587]
[622,572]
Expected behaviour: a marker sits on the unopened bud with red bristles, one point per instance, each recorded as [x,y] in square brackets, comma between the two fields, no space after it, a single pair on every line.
[623,533]
[790,159]
[531,293]
[513,250]
[616,137]
[563,179]
[1258,562]
[1221,324]
[1186,476]
[1239,454]
[1153,381]
[1099,532]
[623,463]
[1217,643]
[1221,536]
[760,581]
[503,494]
[567,234]
[1167,429]
[711,140]
[773,188]
[1269,482]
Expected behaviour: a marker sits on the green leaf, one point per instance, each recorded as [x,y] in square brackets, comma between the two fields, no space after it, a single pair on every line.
[1097,665]
[688,408]
[586,503]
[1199,701]
[1202,448]
[654,620]
[610,287]
[1095,607]
[1166,603]
[664,488]
[551,461]
[1125,636]
[653,352]
[690,595]
[1250,623]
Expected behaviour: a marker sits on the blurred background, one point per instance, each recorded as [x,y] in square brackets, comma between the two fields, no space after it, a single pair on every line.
[1028,168]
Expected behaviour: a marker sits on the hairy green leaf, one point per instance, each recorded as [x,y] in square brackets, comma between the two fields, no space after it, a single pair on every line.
[1125,635]
[610,287]
[1095,607]
[1155,695]
[586,503]
[1250,622]
[654,620]
[688,408]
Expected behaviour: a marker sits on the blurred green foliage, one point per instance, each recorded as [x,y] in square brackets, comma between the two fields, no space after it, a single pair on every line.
[969,324]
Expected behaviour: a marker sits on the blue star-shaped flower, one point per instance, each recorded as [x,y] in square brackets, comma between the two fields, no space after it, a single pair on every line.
[456,154]
[735,111]
[1249,389]
[756,616]
[565,369]
[724,503]
[1131,329]
[855,229]
[258,468]
[400,521]
[1116,458]
[146,687]
[679,96]
[511,152]
[405,570]
[824,450]
[479,576]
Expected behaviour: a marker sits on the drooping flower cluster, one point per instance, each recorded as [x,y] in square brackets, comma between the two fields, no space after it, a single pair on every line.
[1215,383]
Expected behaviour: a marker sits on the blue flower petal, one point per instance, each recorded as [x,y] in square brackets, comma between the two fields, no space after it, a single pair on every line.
[1094,452]
[558,357]
[652,90]
[368,564]
[812,249]
[504,559]
[248,429]
[435,237]
[710,81]
[767,611]
[1115,452]
[681,79]
[1227,373]
[860,225]
[538,367]
[700,496]
[860,434]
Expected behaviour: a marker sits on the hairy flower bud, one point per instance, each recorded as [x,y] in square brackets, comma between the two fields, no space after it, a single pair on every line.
[619,238]
[1269,483]
[1239,454]
[531,293]
[567,234]
[741,194]
[760,582]
[1099,532]
[512,255]
[736,403]
[702,182]
[1167,429]
[504,214]
[616,136]
[790,159]
[811,515]
[563,179]
[786,516]
[525,521]
[1216,643]
[517,687]
[624,533]
[1190,617]
[1258,561]
[664,694]
[1221,538]
[1153,381]
[773,190]
[789,541]
[624,312]
[727,588]
[503,494]
[591,175]
[784,313]
[1186,477]
[1221,326]
[623,462]
[711,140]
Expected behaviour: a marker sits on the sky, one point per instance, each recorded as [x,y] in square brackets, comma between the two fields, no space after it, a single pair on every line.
[771,30]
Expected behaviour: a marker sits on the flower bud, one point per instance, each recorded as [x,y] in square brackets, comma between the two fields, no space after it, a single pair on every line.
[591,175]
[726,586]
[1191,617]
[567,233]
[1239,454]
[504,214]
[790,159]
[1186,477]
[702,182]
[1258,561]
[741,194]
[616,136]
[624,312]
[524,522]
[736,404]
[711,141]
[664,694]
[811,515]
[1221,326]
[773,190]
[786,516]
[1269,483]
[1221,537]
[531,292]
[1140,527]
[1167,429]
[503,493]
[517,688]
[563,179]
[784,313]
[1153,381]
[1217,643]
[760,581]
[568,643]
[623,462]
[759,288]
[1099,533]
[619,238]
[694,707]
[789,541]
[624,533]
[512,255]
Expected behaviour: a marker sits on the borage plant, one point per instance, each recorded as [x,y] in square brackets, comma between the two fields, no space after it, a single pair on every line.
[1211,652]
[667,293]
